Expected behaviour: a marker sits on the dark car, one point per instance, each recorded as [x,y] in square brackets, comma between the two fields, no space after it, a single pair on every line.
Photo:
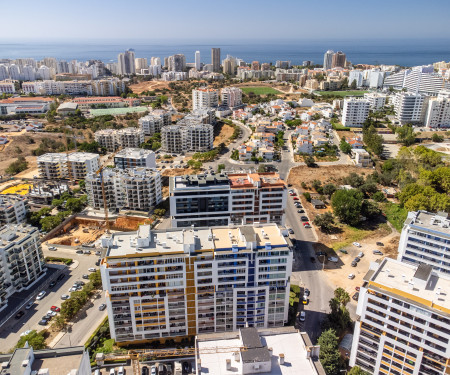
[144,370]
[356,259]
[19,315]
[43,322]
[47,317]
[52,284]
[187,367]
[301,211]
[79,251]
[380,244]
[356,296]
[102,307]
[304,218]
[354,264]
[60,277]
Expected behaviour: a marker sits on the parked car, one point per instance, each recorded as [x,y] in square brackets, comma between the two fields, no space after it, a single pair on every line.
[52,284]
[357,244]
[351,276]
[60,277]
[333,259]
[355,296]
[302,316]
[380,244]
[356,260]
[102,307]
[51,313]
[301,211]
[377,252]
[55,308]
[357,288]
[92,269]
[19,315]
[343,251]
[52,248]
[304,218]
[98,253]
[85,276]
[79,251]
[305,300]
[306,292]
[65,296]
[29,305]
[27,332]
[291,231]
[43,322]
[41,295]
[121,371]
[354,264]
[361,254]
[86,251]
[296,199]
[144,370]
[153,370]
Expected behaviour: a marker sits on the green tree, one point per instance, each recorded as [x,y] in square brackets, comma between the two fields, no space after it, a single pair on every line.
[356,370]
[35,339]
[353,85]
[325,222]
[159,212]
[307,196]
[74,204]
[329,352]
[17,166]
[437,138]
[195,164]
[329,189]
[378,197]
[309,161]
[59,322]
[235,155]
[220,168]
[50,222]
[96,279]
[345,147]
[354,179]
[342,296]
[57,202]
[406,135]
[347,205]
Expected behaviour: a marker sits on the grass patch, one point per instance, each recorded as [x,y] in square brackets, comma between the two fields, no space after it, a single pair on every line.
[353,235]
[395,214]
[342,93]
[66,261]
[260,90]
[339,126]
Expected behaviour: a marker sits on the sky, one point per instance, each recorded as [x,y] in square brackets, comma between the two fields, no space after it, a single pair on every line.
[229,20]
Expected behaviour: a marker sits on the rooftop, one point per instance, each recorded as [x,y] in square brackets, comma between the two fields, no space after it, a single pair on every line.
[14,233]
[82,156]
[133,153]
[431,222]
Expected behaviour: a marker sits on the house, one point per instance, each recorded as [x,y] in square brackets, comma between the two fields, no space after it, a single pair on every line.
[356,143]
[362,158]
[306,116]
[389,192]
[266,153]
[304,146]
[245,152]
[319,140]
[317,203]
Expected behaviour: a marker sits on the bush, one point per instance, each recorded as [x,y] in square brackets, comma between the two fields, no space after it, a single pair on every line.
[307,196]
[35,339]
[66,261]
[378,197]
[17,166]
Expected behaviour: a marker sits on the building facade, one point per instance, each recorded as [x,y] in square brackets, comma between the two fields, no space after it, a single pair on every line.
[74,166]
[410,107]
[355,112]
[438,111]
[204,98]
[193,137]
[184,282]
[376,100]
[112,139]
[403,325]
[231,97]
[13,209]
[154,122]
[215,59]
[237,198]
[134,158]
[126,62]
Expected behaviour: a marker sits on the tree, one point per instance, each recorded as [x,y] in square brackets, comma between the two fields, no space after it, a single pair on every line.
[59,322]
[195,164]
[34,339]
[17,166]
[437,138]
[159,212]
[235,155]
[356,370]
[307,196]
[57,202]
[353,85]
[50,222]
[342,296]
[310,162]
[345,147]
[329,352]
[370,209]
[89,147]
[325,221]
[378,197]
[347,205]
[96,279]
[354,179]
[406,135]
[74,204]
[329,189]
[220,167]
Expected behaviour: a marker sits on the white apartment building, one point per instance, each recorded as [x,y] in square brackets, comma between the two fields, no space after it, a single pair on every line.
[410,107]
[7,87]
[138,189]
[101,87]
[13,209]
[125,62]
[404,321]
[328,59]
[134,158]
[204,98]
[197,60]
[425,239]
[438,111]
[184,282]
[74,166]
[355,112]
[21,260]
[153,122]
[112,139]
[193,137]
[231,97]
[222,199]
[106,138]
[376,100]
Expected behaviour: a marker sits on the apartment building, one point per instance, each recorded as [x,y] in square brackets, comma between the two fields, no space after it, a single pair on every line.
[74,166]
[154,122]
[7,87]
[438,111]
[112,139]
[138,189]
[425,238]
[355,112]
[410,107]
[21,259]
[134,158]
[176,282]
[13,209]
[125,62]
[215,59]
[222,199]
[204,98]
[376,100]
[193,137]
[231,97]
[404,322]
[328,60]
[85,104]
[107,138]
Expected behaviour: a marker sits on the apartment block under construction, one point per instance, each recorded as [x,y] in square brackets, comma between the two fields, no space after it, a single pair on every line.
[182,282]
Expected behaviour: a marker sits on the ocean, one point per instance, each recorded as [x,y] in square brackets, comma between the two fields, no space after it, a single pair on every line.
[400,52]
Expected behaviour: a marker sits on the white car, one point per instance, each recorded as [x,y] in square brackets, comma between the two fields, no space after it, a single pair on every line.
[351,276]
[65,296]
[41,295]
[27,332]
[29,305]
[357,244]
[92,269]
[52,248]
[333,259]
[302,316]
[52,313]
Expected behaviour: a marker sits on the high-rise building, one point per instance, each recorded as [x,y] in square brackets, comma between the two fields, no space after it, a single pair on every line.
[282,64]
[229,65]
[438,111]
[255,65]
[204,98]
[126,62]
[154,122]
[403,324]
[177,63]
[155,61]
[410,108]
[197,60]
[134,158]
[265,66]
[376,100]
[355,112]
[21,260]
[13,209]
[192,137]
[198,280]
[233,198]
[140,63]
[328,60]
[215,59]
[425,239]
[338,60]
[54,166]
[112,139]
[357,76]
[231,96]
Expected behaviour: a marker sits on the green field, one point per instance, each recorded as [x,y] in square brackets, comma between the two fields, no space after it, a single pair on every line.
[116,111]
[341,93]
[260,90]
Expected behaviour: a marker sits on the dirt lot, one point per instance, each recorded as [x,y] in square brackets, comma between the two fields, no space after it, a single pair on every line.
[177,172]
[226,131]
[78,235]
[137,88]
[325,174]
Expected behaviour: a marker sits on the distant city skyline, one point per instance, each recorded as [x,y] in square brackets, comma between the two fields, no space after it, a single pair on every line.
[153,21]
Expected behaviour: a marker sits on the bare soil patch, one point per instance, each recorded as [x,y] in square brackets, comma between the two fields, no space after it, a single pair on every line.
[225,132]
[325,174]
[78,235]
[138,88]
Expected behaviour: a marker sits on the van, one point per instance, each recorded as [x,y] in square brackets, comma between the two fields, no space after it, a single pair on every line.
[112,372]
[121,371]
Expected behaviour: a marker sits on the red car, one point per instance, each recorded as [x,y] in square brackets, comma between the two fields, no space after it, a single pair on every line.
[55,309]
[296,199]
[357,288]
[305,224]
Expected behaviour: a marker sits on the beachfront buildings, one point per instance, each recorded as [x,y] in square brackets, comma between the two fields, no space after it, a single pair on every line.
[355,112]
[13,209]
[171,283]
[113,139]
[231,97]
[215,59]
[403,325]
[438,111]
[134,158]
[204,98]
[74,166]
[192,137]
[410,107]
[137,189]
[222,199]
[425,238]
[125,63]
[376,100]
[21,259]
[153,122]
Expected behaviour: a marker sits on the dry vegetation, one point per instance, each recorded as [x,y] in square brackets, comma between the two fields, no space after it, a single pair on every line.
[325,174]
[225,132]
[137,88]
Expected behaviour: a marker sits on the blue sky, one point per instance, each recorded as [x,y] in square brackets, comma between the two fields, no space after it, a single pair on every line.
[210,20]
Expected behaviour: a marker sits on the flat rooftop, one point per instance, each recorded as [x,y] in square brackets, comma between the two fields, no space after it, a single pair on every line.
[82,156]
[14,233]
[133,153]
[432,222]
[416,283]
[199,181]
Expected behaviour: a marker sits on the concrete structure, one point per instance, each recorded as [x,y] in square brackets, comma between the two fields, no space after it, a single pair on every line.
[16,105]
[215,59]
[75,166]
[362,158]
[134,158]
[270,351]
[153,122]
[193,137]
[233,198]
[328,60]
[403,325]
[177,63]
[199,280]
[355,112]
[21,260]
[85,104]
[338,60]
[126,63]
[13,209]
[61,361]
[112,139]
[136,189]
[197,60]
[376,100]
[204,98]
[67,108]
[425,239]
[7,87]
[410,107]
[438,111]
[231,97]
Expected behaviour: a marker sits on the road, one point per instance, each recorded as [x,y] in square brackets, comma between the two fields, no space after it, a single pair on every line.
[10,333]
